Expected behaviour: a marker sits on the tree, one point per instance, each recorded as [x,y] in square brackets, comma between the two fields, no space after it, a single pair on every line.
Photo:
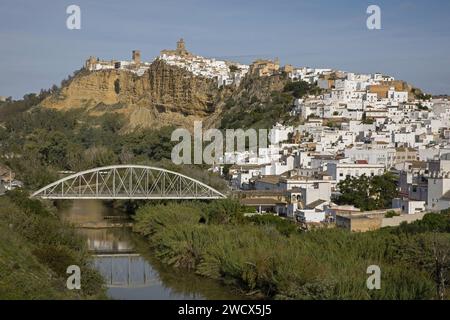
[440,249]
[368,193]
[225,211]
[112,122]
[355,191]
[226,170]
[366,120]
[298,88]
[436,222]
[99,157]
[383,189]
[233,68]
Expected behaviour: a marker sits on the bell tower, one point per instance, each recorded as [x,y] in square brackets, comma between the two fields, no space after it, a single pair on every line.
[181,48]
[136,56]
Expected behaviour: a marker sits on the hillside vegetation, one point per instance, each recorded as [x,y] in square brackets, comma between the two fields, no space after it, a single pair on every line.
[36,143]
[260,102]
[268,258]
[35,251]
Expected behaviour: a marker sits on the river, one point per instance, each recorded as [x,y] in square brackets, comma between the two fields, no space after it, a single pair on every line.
[126,262]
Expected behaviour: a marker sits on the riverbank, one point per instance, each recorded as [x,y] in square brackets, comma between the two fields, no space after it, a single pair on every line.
[129,269]
[268,258]
[36,248]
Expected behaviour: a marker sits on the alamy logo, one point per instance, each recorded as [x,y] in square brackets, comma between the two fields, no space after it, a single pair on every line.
[74,280]
[374,20]
[237,142]
[374,280]
[73,21]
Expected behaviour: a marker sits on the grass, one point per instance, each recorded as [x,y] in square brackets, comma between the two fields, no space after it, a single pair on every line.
[265,257]
[35,250]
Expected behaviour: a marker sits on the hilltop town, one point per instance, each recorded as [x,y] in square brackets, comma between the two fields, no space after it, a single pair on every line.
[337,127]
[252,152]
[225,72]
[359,126]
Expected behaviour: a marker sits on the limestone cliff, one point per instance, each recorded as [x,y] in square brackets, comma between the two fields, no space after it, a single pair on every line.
[163,95]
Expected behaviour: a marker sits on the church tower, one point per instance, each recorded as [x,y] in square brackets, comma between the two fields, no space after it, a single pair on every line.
[181,48]
[137,56]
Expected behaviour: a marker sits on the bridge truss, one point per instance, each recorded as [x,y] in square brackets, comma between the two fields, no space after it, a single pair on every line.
[128,182]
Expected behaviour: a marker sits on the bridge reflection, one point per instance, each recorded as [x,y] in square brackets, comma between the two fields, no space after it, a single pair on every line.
[125,270]
[129,275]
[116,259]
[108,241]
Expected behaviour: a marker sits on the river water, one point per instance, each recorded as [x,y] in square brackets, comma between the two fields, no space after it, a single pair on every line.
[126,263]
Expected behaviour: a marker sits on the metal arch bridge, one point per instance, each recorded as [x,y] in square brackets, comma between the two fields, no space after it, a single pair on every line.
[128,182]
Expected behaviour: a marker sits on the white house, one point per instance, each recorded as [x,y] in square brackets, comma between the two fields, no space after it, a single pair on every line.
[340,171]
[409,206]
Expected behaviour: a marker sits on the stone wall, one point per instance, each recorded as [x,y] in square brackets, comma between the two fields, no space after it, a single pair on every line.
[396,221]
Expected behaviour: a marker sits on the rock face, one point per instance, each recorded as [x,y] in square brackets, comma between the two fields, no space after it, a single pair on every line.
[163,95]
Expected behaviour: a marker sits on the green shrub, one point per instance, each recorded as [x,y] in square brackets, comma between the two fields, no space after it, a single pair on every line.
[284,226]
[256,255]
[38,249]
[224,211]
[391,214]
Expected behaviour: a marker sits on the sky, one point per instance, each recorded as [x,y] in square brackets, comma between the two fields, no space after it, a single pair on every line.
[37,50]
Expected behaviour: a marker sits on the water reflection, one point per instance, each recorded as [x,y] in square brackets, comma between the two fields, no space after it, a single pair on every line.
[126,263]
[108,240]
[125,270]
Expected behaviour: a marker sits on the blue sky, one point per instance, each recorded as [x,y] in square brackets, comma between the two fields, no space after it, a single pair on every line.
[37,50]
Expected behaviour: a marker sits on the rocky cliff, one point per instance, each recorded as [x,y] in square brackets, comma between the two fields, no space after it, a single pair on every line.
[163,95]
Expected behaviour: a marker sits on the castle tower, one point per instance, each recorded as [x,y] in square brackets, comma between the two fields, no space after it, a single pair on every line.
[181,46]
[137,56]
[179,51]
[90,63]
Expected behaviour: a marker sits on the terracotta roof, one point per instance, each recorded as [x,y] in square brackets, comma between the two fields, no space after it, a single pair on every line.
[260,202]
[261,192]
[418,164]
[269,179]
[403,149]
[246,166]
